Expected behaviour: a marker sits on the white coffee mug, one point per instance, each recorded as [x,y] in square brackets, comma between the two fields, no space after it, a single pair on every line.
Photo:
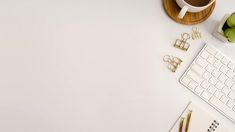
[186,7]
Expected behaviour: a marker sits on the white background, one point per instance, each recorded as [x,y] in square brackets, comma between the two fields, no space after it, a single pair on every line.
[95,65]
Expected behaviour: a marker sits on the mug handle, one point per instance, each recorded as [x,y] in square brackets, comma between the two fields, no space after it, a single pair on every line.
[183,12]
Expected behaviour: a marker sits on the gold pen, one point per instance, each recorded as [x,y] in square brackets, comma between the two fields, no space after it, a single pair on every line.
[188,120]
[181,124]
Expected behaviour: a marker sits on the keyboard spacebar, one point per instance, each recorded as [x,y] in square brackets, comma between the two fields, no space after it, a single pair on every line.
[218,104]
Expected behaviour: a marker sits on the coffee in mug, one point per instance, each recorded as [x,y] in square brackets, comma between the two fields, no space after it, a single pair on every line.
[198,2]
[192,6]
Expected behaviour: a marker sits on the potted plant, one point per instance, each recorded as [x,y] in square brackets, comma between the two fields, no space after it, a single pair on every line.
[226,29]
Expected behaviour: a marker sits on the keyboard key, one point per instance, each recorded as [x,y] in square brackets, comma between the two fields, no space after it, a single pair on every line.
[226,90]
[206,95]
[218,94]
[211,89]
[185,80]
[224,99]
[234,78]
[209,68]
[210,50]
[230,103]
[217,64]
[192,85]
[223,78]
[195,76]
[224,69]
[213,81]
[216,73]
[197,69]
[211,59]
[205,84]
[225,61]
[231,65]
[199,90]
[231,95]
[219,85]
[207,75]
[205,54]
[233,87]
[234,108]
[201,62]
[230,74]
[219,56]
[228,82]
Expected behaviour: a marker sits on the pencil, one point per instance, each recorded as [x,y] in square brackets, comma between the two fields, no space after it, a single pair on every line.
[188,120]
[181,124]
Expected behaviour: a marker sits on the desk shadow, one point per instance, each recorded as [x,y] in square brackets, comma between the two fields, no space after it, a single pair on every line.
[210,25]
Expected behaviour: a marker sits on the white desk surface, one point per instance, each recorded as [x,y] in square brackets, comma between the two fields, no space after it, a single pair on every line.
[95,65]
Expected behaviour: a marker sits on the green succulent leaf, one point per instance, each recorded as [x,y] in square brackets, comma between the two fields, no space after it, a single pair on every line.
[231,20]
[230,34]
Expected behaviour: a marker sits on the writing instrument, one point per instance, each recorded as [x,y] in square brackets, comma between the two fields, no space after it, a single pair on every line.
[181,124]
[188,120]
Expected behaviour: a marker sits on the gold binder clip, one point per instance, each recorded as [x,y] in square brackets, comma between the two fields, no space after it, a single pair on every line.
[173,62]
[196,34]
[182,43]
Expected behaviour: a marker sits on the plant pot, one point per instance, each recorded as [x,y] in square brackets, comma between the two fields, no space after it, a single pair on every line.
[219,33]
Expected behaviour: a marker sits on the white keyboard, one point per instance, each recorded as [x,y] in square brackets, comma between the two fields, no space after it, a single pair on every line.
[211,76]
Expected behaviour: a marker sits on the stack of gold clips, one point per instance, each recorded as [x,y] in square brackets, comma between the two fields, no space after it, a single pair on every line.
[183,44]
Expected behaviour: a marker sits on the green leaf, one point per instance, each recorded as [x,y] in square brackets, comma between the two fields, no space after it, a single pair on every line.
[230,34]
[231,20]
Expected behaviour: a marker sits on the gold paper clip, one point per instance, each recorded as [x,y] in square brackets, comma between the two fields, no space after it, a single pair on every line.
[196,34]
[173,62]
[182,43]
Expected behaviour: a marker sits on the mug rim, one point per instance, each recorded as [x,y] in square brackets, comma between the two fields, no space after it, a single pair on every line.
[192,6]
